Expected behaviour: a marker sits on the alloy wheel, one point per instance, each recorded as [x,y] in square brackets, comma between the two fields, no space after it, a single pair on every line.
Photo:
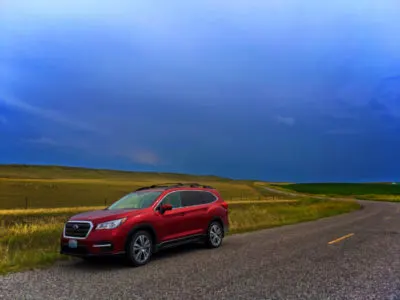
[141,248]
[215,235]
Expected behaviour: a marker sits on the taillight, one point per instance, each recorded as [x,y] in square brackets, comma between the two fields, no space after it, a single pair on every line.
[224,205]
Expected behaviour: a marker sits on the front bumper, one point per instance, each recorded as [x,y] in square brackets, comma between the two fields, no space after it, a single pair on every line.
[85,249]
[97,243]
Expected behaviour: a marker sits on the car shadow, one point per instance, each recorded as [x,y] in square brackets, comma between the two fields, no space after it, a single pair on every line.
[109,263]
[96,264]
[169,253]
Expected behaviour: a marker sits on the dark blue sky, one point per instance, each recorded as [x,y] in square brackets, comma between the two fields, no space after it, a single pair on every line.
[275,90]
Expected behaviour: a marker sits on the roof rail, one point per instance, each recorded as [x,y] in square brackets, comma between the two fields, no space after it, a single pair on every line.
[194,184]
[172,185]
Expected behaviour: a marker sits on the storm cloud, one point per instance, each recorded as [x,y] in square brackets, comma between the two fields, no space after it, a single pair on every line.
[276,90]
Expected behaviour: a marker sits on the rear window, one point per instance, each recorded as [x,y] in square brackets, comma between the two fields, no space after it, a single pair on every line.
[207,197]
[190,198]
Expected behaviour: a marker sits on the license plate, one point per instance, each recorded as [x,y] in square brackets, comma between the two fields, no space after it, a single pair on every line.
[73,243]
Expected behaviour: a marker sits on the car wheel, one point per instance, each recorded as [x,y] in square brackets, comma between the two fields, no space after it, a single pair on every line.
[140,249]
[215,234]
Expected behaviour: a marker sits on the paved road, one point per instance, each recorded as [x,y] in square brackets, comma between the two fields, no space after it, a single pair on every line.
[290,262]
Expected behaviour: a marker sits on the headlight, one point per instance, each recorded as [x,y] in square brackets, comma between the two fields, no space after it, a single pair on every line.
[111,224]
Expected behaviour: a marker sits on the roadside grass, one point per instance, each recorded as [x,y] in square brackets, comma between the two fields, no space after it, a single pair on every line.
[30,238]
[250,217]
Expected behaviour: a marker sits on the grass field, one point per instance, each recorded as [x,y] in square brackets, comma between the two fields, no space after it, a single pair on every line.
[47,187]
[30,238]
[368,191]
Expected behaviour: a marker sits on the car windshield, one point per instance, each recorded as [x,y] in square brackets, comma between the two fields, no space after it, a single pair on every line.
[136,200]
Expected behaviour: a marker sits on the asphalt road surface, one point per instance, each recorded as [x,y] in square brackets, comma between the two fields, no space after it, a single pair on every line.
[351,256]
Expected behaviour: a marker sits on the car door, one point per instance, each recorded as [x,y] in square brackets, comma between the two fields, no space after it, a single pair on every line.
[170,223]
[195,212]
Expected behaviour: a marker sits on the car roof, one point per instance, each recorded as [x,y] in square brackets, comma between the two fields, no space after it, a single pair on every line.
[164,187]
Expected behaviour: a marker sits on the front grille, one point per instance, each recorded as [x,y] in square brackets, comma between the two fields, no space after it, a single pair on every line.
[77,229]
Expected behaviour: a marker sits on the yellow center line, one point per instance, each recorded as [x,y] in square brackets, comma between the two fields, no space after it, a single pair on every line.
[341,238]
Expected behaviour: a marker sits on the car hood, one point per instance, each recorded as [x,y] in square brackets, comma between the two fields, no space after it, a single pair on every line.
[106,215]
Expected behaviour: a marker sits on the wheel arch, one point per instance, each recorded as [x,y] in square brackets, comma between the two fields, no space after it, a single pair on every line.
[219,220]
[146,227]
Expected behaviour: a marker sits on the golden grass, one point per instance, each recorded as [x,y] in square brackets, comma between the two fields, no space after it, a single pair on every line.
[71,210]
[53,186]
[47,211]
[43,193]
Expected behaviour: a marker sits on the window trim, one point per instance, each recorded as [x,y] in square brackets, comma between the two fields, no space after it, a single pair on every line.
[186,190]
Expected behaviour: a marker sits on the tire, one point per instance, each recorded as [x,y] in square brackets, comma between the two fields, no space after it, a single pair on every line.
[139,249]
[215,235]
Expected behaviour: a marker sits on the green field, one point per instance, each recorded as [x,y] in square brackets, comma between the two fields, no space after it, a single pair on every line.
[47,187]
[372,191]
[30,238]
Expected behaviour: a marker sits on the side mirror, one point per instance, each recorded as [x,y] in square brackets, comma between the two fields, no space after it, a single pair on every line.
[165,207]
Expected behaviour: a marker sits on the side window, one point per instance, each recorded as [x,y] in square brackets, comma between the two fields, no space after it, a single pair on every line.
[190,198]
[207,197]
[174,199]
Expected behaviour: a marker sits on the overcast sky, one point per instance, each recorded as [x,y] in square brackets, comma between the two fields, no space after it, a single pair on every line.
[275,90]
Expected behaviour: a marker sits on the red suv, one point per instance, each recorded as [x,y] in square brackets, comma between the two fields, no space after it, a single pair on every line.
[147,220]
